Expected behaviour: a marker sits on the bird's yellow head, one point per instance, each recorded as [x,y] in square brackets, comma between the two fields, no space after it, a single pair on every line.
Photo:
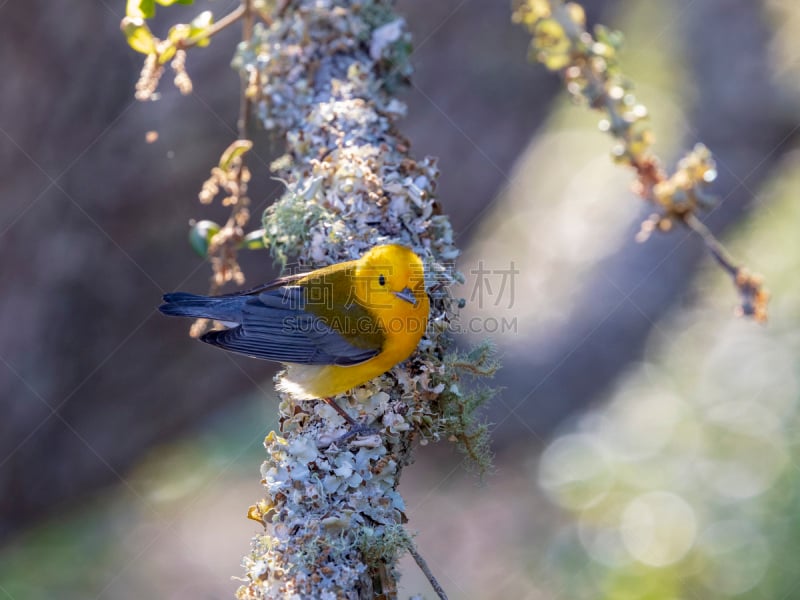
[390,283]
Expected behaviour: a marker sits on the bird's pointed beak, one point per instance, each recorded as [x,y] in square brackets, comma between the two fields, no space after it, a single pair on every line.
[407,295]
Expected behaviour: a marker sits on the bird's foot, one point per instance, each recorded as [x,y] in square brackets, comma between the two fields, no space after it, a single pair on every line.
[365,434]
[368,436]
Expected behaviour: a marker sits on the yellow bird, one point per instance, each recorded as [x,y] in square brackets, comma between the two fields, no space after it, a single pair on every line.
[335,328]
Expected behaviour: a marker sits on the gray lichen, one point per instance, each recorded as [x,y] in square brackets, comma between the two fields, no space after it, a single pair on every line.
[333,516]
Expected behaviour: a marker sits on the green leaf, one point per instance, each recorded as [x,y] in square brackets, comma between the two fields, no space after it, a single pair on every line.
[140,9]
[195,32]
[138,34]
[201,234]
[199,26]
[254,240]
[146,9]
[232,152]
[179,32]
[166,54]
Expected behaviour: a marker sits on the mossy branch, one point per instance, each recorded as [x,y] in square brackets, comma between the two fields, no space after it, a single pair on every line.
[327,77]
[323,76]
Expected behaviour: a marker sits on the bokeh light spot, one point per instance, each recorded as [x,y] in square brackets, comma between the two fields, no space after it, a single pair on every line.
[658,528]
[737,557]
[574,471]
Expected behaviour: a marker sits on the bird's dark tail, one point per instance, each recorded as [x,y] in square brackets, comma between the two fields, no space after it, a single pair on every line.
[222,308]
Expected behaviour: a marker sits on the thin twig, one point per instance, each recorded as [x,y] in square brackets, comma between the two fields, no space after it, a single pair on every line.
[714,246]
[594,77]
[426,569]
[223,23]
[245,104]
[754,296]
[244,12]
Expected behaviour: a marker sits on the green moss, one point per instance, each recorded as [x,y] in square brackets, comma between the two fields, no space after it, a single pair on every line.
[383,545]
[289,222]
[375,15]
[458,410]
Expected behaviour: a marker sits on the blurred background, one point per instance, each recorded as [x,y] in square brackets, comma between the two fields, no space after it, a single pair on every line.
[646,440]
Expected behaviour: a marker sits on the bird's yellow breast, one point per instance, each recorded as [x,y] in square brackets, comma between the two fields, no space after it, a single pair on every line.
[374,282]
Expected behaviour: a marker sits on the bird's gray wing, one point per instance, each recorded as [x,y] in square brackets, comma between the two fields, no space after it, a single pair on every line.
[274,325]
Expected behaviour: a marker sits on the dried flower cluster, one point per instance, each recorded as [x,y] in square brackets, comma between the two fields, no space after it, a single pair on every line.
[148,78]
[332,516]
[159,52]
[221,243]
[153,69]
[182,80]
[589,65]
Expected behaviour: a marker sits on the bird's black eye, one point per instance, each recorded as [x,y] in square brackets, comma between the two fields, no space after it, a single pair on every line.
[382,280]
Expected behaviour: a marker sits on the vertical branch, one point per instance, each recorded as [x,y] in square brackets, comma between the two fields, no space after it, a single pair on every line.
[245,100]
[225,244]
[233,231]
[332,517]
[324,74]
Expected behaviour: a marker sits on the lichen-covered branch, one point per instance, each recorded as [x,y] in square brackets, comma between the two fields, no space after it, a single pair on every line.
[332,516]
[589,65]
[323,75]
